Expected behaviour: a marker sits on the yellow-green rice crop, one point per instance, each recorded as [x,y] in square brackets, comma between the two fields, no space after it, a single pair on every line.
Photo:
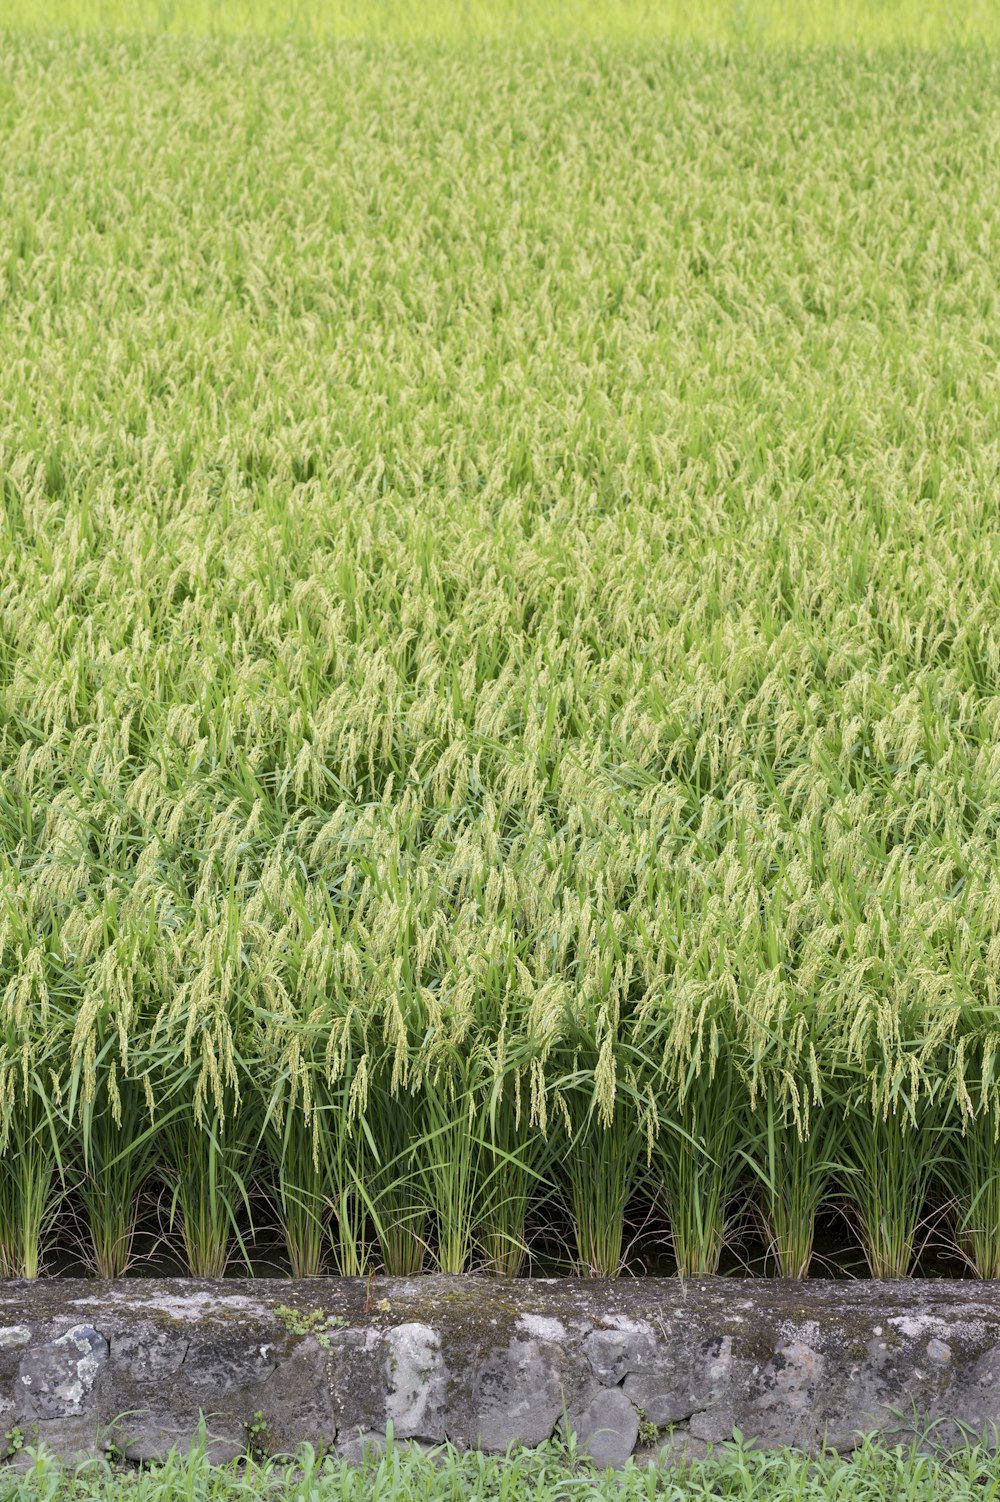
[869,23]
[499,647]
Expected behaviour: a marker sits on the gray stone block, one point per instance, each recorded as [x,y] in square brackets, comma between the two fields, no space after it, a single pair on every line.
[416,1382]
[57,1380]
[681,1377]
[520,1394]
[606,1426]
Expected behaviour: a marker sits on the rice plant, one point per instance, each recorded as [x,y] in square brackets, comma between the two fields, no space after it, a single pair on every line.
[796,1174]
[120,1145]
[602,1163]
[699,1165]
[969,1168]
[974,1173]
[395,1188]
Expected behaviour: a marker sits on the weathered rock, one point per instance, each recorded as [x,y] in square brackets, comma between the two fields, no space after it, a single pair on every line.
[713,1424]
[520,1391]
[216,1363]
[366,1443]
[786,1392]
[298,1401]
[76,1441]
[606,1426]
[358,1446]
[150,1356]
[356,1367]
[57,1380]
[680,1447]
[622,1346]
[685,1378]
[277,1391]
[416,1389]
[145,1436]
[975,1397]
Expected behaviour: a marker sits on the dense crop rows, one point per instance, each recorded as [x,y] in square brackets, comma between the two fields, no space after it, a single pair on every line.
[499,648]
[869,23]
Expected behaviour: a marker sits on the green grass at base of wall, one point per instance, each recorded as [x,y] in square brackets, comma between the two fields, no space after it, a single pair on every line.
[736,1473]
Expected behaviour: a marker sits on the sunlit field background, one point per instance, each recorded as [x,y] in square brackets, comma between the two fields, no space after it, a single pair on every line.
[867,23]
[499,646]
[801,22]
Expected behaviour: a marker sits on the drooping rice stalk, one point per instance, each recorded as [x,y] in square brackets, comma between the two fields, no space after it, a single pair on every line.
[793,1148]
[396,1188]
[36,1142]
[697,1161]
[601,1167]
[120,1147]
[513,1176]
[113,1113]
[889,1164]
[35,1149]
[207,1168]
[971,1173]
[897,1122]
[795,1174]
[968,1170]
[208,1143]
[606,1131]
[346,1191]
[295,1149]
[31,1176]
[446,1157]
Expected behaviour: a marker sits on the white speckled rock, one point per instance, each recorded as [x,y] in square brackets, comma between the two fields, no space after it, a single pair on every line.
[56,1381]
[416,1382]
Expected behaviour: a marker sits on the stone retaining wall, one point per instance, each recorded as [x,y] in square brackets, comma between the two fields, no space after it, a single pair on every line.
[631,1366]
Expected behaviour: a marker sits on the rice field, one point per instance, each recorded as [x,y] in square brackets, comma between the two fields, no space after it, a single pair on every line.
[499,648]
[867,23]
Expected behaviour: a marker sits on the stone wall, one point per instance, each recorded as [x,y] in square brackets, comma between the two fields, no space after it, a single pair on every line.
[631,1366]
